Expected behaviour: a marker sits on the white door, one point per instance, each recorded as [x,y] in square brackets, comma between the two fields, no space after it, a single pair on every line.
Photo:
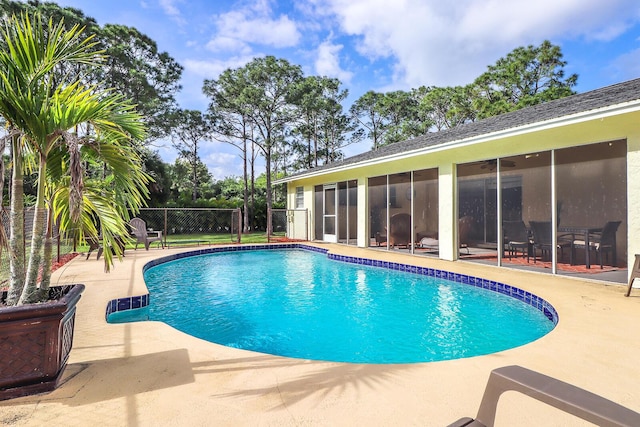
[329,220]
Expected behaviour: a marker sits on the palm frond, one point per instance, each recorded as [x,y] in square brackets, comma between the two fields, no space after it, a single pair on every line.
[100,216]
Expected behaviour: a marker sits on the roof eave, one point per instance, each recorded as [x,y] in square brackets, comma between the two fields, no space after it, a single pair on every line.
[584,116]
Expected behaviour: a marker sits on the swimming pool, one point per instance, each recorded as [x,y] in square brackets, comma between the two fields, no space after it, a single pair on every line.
[303,304]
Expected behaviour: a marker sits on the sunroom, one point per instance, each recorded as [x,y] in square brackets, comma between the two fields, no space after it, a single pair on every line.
[505,190]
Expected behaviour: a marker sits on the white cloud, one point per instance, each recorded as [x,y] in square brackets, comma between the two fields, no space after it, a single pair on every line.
[165,150]
[171,9]
[204,68]
[228,44]
[445,43]
[328,62]
[212,69]
[280,32]
[626,66]
[221,159]
[222,164]
[238,29]
[194,74]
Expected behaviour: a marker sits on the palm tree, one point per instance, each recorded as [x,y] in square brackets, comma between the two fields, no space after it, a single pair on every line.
[44,116]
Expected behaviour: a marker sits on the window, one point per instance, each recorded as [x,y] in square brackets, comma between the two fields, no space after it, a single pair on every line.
[299,197]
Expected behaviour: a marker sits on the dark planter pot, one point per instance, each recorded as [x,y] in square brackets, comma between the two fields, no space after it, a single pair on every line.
[35,341]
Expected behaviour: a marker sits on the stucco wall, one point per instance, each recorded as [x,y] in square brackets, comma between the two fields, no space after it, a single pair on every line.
[633,196]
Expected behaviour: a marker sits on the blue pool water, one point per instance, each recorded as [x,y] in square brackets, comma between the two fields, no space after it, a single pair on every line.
[301,304]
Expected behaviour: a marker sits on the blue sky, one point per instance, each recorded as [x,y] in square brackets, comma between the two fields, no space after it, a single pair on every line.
[376,44]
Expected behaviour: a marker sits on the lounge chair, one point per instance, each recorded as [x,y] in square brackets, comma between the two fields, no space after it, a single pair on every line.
[139,229]
[465,225]
[429,243]
[561,395]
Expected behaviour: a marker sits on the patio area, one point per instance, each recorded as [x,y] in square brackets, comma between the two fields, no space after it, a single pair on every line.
[614,275]
[148,373]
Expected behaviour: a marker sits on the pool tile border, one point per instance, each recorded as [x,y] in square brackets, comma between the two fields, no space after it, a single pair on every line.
[140,301]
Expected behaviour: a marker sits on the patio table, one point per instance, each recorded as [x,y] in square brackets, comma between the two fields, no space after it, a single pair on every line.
[585,230]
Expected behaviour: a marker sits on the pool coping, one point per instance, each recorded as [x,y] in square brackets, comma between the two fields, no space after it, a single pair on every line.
[119,305]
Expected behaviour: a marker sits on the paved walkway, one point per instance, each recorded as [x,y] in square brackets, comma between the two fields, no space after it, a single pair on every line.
[148,374]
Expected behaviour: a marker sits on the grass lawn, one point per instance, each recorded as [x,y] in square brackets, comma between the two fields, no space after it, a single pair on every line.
[201,239]
[215,239]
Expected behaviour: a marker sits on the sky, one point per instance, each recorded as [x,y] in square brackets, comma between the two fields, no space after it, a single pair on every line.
[378,45]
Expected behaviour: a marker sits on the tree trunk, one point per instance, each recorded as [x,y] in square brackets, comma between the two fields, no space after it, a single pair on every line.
[48,255]
[194,166]
[253,186]
[315,142]
[310,154]
[30,292]
[245,195]
[16,227]
[2,169]
[267,159]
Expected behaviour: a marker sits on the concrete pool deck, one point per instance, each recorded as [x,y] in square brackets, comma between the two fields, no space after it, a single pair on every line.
[148,373]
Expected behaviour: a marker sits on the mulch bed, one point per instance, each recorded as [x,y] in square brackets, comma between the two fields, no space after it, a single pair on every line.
[284,240]
[56,264]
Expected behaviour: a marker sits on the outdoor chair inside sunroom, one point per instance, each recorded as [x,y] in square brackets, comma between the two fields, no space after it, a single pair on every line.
[543,240]
[603,242]
[516,238]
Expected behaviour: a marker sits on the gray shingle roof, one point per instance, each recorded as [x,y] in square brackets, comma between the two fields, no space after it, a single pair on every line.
[600,98]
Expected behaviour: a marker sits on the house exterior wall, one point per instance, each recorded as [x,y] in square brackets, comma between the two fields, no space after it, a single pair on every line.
[363,212]
[448,211]
[633,195]
[621,124]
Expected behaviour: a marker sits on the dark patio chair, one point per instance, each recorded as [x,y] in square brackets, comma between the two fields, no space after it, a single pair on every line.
[380,238]
[516,236]
[144,236]
[559,394]
[601,242]
[97,243]
[465,226]
[542,239]
[94,243]
[400,230]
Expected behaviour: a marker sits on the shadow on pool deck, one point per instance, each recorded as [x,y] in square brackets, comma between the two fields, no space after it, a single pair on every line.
[148,373]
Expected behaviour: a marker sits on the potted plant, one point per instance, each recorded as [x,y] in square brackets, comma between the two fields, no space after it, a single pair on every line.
[56,125]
